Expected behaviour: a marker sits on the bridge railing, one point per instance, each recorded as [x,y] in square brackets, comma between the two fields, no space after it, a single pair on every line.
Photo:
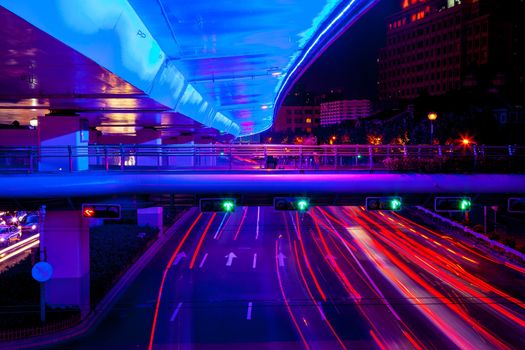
[436,158]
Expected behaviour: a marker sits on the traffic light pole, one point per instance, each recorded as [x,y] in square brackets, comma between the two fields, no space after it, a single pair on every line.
[42,258]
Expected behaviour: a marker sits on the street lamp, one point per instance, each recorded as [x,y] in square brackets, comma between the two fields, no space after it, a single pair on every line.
[432,116]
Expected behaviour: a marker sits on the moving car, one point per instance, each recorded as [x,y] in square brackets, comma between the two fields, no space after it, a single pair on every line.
[29,224]
[9,234]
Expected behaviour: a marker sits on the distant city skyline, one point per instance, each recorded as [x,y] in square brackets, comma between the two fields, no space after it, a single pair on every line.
[351,62]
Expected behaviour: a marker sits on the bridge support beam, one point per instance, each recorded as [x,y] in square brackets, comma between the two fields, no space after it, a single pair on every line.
[65,240]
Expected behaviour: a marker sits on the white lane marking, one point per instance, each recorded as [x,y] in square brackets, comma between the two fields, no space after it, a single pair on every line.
[249,312]
[254,264]
[175,312]
[203,260]
[257,227]
[323,317]
[230,258]
[220,226]
[179,257]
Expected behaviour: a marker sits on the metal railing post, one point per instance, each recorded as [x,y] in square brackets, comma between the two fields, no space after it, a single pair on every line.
[440,151]
[335,157]
[231,156]
[370,157]
[69,152]
[31,159]
[121,157]
[300,157]
[106,160]
[405,151]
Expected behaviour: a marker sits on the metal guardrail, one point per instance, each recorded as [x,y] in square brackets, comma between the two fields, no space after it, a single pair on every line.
[243,157]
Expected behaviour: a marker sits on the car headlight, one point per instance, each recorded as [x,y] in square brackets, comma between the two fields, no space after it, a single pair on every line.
[14,220]
[2,239]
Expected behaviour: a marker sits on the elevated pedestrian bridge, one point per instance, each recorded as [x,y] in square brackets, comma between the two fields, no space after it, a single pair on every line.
[339,170]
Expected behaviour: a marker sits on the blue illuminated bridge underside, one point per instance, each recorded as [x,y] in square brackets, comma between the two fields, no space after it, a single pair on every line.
[226,64]
[102,184]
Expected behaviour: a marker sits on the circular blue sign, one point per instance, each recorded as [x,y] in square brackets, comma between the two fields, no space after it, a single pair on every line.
[42,271]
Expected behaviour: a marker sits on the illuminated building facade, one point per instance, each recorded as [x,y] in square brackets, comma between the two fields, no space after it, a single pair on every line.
[436,46]
[337,112]
[297,119]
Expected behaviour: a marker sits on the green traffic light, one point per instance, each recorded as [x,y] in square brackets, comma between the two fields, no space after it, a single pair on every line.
[228,206]
[465,204]
[302,205]
[395,204]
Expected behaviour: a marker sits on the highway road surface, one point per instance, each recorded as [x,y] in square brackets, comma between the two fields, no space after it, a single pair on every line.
[333,278]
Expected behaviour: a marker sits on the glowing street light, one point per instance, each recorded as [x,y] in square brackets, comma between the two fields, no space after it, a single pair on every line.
[432,116]
[33,122]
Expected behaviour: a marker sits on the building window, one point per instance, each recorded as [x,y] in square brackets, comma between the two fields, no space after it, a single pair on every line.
[308,120]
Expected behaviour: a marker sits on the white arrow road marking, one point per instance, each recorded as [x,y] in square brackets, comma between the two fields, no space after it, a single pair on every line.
[254,264]
[179,257]
[203,260]
[175,312]
[249,312]
[230,258]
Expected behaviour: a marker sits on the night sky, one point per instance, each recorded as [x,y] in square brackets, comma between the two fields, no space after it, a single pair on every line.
[351,62]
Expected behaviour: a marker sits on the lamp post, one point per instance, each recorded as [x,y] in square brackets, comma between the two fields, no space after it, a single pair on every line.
[432,116]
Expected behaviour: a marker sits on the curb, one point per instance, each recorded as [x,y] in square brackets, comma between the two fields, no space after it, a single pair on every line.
[100,311]
[495,245]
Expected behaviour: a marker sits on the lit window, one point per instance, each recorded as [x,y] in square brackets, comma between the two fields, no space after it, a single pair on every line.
[308,120]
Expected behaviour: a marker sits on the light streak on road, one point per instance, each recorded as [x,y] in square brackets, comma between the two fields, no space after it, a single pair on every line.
[287,304]
[192,262]
[165,273]
[305,257]
[240,225]
[19,248]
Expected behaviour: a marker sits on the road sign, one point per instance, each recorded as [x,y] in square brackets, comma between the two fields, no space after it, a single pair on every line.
[516,205]
[452,204]
[101,211]
[384,203]
[42,271]
[301,204]
[213,205]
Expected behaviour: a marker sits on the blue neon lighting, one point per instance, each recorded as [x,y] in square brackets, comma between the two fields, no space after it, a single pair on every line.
[225,64]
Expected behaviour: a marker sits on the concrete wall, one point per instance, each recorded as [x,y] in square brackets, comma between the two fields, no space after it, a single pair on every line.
[66,244]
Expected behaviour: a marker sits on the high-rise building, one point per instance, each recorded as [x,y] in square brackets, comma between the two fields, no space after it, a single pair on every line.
[337,112]
[435,46]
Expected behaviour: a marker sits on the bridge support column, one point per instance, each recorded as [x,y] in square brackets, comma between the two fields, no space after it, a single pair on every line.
[69,134]
[66,244]
[150,216]
[151,155]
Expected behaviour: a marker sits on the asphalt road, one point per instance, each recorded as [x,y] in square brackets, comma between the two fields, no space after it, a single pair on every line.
[333,278]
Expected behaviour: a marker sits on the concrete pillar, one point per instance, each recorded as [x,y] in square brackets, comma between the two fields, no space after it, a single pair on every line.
[58,133]
[149,138]
[66,244]
[150,216]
